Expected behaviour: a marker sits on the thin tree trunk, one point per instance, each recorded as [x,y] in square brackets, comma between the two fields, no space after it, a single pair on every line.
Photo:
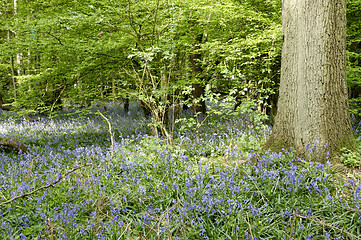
[313,99]
[126,105]
[19,56]
[12,69]
[19,61]
[198,104]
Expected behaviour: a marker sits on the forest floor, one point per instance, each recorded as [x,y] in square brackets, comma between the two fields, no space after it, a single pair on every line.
[213,182]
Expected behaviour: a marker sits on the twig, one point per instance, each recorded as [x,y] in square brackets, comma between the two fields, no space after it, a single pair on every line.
[295,224]
[250,229]
[255,185]
[111,136]
[52,108]
[352,209]
[163,214]
[46,124]
[57,99]
[117,27]
[31,166]
[50,229]
[125,229]
[2,195]
[320,222]
[259,192]
[44,187]
[199,125]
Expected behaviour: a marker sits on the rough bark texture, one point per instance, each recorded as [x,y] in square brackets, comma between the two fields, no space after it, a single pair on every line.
[313,99]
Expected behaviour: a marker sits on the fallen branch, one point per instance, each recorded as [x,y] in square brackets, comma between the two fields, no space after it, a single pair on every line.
[249,225]
[13,144]
[259,192]
[30,119]
[126,228]
[44,187]
[293,224]
[7,108]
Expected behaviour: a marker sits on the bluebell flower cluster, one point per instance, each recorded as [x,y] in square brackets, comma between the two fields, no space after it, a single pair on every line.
[209,188]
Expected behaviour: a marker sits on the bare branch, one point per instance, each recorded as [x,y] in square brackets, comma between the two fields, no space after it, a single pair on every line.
[111,136]
[46,186]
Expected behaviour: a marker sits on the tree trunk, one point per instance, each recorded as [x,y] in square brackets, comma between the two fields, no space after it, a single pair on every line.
[198,104]
[313,99]
[12,69]
[145,109]
[19,56]
[126,105]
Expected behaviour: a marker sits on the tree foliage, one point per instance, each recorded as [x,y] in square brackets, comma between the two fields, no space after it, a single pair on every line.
[78,52]
[354,54]
[83,51]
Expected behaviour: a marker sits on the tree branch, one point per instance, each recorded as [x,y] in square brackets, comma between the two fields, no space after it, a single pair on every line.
[46,186]
[13,144]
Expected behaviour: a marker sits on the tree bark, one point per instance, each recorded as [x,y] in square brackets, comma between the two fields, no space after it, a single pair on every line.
[313,99]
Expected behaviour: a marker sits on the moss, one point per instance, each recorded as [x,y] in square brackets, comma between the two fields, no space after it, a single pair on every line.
[277,145]
[333,151]
[346,142]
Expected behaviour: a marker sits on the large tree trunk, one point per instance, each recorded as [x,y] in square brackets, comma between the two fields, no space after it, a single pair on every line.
[313,99]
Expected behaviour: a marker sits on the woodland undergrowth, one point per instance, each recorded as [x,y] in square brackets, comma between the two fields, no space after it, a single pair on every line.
[77,182]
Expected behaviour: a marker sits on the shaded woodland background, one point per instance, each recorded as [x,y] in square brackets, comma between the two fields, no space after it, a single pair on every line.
[65,54]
